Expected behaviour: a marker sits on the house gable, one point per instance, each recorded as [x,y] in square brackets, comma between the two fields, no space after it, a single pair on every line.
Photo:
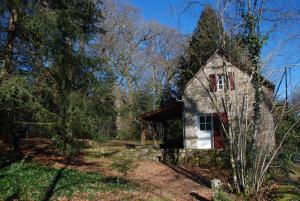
[209,63]
[215,62]
[197,98]
[195,94]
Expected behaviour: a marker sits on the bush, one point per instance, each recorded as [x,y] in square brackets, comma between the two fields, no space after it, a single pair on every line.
[101,138]
[220,195]
[285,192]
[123,165]
[18,108]
[290,147]
[71,148]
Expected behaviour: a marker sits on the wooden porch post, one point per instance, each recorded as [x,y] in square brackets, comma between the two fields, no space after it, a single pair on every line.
[143,134]
[163,131]
[155,133]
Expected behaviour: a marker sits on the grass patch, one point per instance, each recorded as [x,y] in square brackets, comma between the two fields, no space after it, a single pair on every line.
[100,139]
[286,193]
[27,181]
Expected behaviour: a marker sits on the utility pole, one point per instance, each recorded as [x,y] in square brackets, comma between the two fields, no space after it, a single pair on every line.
[285,75]
[286,86]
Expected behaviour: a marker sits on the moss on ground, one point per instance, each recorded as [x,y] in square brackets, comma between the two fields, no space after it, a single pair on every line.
[25,181]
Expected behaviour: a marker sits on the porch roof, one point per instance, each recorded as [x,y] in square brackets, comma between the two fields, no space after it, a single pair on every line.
[163,114]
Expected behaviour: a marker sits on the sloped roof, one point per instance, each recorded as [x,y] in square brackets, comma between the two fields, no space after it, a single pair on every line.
[163,114]
[235,63]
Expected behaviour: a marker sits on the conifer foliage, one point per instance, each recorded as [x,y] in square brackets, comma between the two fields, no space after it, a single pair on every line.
[206,38]
[48,67]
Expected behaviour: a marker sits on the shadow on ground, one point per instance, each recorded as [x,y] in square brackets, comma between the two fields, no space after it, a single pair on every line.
[191,175]
[50,189]
[198,197]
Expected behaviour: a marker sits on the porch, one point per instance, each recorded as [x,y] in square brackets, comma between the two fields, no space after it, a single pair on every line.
[163,127]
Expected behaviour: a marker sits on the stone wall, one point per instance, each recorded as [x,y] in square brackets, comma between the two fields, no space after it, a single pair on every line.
[197,101]
[179,156]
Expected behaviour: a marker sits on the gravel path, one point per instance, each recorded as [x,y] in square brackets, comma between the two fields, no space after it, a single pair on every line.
[171,182]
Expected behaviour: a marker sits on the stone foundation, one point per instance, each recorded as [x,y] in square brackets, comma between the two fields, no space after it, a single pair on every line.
[179,156]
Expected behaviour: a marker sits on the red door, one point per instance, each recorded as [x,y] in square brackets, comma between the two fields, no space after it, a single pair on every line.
[218,130]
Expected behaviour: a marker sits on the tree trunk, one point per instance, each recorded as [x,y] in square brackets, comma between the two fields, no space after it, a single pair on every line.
[12,136]
[130,103]
[7,56]
[117,104]
[11,35]
[15,143]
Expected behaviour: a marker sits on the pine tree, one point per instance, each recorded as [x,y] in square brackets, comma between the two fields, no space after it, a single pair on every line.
[45,42]
[206,39]
[16,103]
[70,67]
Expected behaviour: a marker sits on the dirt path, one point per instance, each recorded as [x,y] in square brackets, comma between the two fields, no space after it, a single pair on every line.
[171,182]
[158,181]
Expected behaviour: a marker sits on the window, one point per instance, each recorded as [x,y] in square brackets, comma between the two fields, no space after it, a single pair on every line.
[205,122]
[220,81]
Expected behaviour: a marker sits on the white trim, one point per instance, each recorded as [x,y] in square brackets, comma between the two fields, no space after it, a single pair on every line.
[198,131]
[223,81]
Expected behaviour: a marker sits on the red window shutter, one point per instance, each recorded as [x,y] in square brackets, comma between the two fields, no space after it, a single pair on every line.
[213,82]
[223,117]
[231,80]
[218,136]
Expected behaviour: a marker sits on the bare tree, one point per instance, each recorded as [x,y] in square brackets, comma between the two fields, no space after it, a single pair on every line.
[249,131]
[139,54]
[161,55]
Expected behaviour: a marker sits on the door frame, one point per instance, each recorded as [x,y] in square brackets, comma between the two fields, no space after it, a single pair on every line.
[212,127]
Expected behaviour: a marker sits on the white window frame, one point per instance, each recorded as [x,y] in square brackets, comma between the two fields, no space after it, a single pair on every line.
[220,78]
[205,122]
[211,129]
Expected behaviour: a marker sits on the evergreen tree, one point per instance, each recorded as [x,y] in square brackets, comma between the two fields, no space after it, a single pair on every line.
[206,39]
[71,68]
[16,100]
[46,43]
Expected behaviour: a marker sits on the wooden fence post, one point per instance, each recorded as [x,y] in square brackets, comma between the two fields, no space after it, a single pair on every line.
[143,134]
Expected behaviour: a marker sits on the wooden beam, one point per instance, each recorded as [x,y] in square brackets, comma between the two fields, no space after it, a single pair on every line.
[143,134]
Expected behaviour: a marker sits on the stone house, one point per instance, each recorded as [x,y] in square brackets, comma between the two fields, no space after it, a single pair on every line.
[202,108]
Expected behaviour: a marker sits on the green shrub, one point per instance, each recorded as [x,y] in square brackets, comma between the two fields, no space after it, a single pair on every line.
[290,147]
[220,195]
[285,193]
[71,148]
[100,139]
[18,108]
[123,165]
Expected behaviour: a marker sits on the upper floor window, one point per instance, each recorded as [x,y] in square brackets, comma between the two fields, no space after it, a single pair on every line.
[217,82]
[220,82]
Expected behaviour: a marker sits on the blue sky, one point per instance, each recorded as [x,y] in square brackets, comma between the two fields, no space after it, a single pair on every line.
[288,50]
